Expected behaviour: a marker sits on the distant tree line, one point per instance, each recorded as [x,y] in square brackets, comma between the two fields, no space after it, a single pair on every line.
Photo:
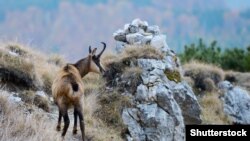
[229,59]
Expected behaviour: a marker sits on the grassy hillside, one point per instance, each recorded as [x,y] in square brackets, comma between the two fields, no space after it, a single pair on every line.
[24,73]
[27,110]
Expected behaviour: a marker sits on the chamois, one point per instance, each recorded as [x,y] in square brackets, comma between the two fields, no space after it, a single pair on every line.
[68,89]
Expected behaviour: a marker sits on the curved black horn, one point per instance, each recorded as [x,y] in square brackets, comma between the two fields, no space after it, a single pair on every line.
[90,49]
[104,47]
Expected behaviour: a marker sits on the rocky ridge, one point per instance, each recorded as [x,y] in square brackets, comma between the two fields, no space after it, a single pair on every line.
[162,103]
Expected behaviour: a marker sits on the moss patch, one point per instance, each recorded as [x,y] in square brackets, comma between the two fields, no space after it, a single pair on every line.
[173,75]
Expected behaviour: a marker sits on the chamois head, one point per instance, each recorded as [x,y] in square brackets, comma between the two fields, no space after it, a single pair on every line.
[91,63]
[96,65]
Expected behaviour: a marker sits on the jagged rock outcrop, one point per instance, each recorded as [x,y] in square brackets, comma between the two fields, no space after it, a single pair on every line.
[236,103]
[161,103]
[188,102]
[140,33]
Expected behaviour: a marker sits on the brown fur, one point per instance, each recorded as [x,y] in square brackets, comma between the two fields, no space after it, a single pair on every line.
[65,97]
[62,89]
[68,89]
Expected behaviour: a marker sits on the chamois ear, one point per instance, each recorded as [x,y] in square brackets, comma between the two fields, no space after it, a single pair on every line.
[90,49]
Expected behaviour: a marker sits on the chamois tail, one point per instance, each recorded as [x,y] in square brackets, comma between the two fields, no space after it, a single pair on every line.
[73,83]
[74,86]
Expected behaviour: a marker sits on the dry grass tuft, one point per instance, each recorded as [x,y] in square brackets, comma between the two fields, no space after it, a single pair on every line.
[25,68]
[17,125]
[27,96]
[108,58]
[16,48]
[212,110]
[131,79]
[132,52]
[56,60]
[93,83]
[239,79]
[95,128]
[138,51]
[112,104]
[202,74]
[48,78]
[42,102]
[209,84]
[30,97]
[17,69]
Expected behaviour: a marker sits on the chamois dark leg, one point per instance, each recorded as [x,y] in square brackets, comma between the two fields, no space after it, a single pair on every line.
[75,121]
[66,122]
[80,114]
[58,127]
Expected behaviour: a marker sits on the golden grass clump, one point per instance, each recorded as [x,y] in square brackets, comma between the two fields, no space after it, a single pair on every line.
[30,97]
[132,52]
[202,74]
[212,110]
[20,50]
[138,51]
[16,124]
[239,78]
[96,129]
[110,111]
[17,69]
[209,85]
[93,83]
[108,58]
[42,102]
[27,96]
[26,68]
[132,78]
[57,60]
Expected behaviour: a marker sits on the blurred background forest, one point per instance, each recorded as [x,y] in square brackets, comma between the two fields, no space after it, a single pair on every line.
[60,26]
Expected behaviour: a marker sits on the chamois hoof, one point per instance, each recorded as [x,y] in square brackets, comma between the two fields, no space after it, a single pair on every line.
[74,131]
[58,128]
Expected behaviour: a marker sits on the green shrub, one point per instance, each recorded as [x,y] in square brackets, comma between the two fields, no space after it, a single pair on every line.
[229,59]
[202,52]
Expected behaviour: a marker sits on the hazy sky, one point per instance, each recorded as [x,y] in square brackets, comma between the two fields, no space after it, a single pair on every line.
[238,4]
[62,25]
